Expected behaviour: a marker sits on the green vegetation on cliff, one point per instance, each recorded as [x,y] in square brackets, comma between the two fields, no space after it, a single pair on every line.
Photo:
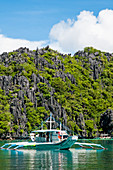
[35,83]
[5,115]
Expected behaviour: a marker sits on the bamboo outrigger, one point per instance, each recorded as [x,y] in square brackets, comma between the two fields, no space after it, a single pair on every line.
[89,145]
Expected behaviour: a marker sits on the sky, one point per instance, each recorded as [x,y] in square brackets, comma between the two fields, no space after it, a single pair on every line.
[64,25]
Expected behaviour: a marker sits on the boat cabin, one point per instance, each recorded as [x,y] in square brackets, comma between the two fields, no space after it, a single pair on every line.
[52,135]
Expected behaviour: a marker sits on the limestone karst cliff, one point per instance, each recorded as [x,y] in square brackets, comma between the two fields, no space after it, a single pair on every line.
[77,90]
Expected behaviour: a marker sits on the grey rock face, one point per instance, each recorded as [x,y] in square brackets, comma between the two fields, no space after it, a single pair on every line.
[20,87]
[106,121]
[6,83]
[81,123]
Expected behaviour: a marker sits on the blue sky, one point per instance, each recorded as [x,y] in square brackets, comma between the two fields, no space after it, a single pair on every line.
[33,20]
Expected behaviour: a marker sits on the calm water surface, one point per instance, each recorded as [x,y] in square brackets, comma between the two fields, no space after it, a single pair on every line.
[73,159]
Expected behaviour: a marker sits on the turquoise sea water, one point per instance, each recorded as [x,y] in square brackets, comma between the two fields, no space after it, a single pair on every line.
[73,159]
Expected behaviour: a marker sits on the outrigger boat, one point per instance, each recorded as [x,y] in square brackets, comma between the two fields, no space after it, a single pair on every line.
[45,139]
[51,139]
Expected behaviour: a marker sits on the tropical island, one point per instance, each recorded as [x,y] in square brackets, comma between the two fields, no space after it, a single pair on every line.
[77,90]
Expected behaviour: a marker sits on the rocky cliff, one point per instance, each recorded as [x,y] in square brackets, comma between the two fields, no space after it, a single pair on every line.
[75,89]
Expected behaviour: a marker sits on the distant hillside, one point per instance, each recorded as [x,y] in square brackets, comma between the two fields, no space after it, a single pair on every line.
[77,89]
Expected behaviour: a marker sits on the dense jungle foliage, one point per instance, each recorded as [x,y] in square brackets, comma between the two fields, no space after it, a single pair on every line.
[81,84]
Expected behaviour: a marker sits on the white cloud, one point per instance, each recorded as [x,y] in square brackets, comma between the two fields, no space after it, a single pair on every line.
[10,44]
[87,30]
[72,35]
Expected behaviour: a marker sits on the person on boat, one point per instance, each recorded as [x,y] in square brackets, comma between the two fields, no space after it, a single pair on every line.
[47,136]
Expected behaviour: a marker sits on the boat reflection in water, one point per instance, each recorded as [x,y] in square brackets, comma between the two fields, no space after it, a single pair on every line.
[49,159]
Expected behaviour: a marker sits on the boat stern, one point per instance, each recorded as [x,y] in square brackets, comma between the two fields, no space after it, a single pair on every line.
[66,144]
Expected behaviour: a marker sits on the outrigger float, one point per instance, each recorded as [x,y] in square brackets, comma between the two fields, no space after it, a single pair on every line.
[89,145]
[50,139]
